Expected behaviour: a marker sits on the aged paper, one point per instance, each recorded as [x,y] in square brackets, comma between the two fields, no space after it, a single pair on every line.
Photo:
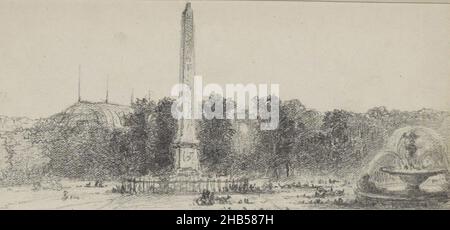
[224,104]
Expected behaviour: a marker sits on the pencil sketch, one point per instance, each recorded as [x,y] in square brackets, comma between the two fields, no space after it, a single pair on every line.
[282,155]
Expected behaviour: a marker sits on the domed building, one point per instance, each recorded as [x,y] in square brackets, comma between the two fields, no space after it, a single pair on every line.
[95,113]
[85,113]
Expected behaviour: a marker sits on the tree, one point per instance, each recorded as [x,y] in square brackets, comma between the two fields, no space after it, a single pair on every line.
[24,160]
[81,151]
[138,136]
[335,126]
[277,145]
[216,136]
[166,128]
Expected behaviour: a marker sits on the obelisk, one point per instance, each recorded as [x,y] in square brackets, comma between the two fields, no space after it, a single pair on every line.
[186,145]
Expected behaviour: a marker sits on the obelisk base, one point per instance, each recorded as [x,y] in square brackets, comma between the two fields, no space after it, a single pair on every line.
[187,159]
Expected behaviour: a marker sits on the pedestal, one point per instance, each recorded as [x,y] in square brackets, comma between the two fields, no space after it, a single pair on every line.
[187,159]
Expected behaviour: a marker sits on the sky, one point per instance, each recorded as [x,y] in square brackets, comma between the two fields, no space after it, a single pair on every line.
[349,56]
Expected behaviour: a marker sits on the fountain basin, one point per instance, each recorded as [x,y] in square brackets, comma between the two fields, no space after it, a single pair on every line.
[413,178]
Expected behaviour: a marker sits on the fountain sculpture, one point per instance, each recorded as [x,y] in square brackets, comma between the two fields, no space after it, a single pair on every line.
[412,169]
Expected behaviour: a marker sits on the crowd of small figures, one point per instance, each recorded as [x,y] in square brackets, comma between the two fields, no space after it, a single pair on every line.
[208,198]
[321,192]
[321,195]
[268,187]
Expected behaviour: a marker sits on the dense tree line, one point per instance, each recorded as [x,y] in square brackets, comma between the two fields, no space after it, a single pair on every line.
[306,142]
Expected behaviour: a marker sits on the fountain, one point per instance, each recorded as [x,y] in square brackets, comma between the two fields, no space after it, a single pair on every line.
[410,170]
[413,178]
